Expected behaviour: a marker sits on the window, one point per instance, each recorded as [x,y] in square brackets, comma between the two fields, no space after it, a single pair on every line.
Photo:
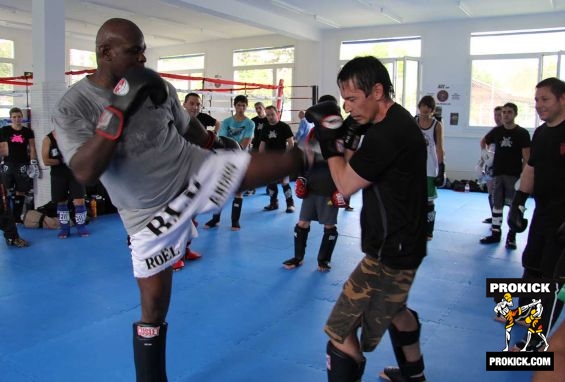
[80,60]
[266,66]
[6,70]
[186,65]
[401,58]
[505,67]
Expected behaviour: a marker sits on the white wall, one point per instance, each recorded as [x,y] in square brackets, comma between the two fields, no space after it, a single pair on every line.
[445,60]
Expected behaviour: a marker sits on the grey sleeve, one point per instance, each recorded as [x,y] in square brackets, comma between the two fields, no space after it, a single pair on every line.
[180,115]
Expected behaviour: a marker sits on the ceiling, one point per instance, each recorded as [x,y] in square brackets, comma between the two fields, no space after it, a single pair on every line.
[173,22]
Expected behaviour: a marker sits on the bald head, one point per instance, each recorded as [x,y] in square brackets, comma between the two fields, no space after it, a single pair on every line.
[119,46]
[115,30]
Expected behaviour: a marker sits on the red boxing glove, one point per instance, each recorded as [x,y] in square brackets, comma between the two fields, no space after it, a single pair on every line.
[301,187]
[338,200]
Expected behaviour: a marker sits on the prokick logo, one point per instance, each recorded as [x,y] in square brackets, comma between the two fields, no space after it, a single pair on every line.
[530,310]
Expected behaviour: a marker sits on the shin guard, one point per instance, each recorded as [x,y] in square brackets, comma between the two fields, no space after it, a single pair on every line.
[431,220]
[236,211]
[300,239]
[149,342]
[64,220]
[18,207]
[341,367]
[80,217]
[411,371]
[328,244]
[288,194]
[273,190]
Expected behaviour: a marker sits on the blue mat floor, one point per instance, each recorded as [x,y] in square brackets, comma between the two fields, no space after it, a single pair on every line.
[236,314]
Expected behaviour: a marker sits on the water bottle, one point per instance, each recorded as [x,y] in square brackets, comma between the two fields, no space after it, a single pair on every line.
[93,207]
[467,187]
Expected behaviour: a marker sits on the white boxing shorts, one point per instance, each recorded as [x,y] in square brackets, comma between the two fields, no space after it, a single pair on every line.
[163,240]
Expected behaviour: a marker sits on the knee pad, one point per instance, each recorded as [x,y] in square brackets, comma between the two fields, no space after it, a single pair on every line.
[149,343]
[341,367]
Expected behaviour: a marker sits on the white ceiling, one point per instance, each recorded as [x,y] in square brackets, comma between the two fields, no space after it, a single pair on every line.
[172,22]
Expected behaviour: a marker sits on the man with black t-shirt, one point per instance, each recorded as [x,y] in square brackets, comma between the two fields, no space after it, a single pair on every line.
[543,177]
[389,166]
[277,136]
[511,154]
[193,105]
[259,120]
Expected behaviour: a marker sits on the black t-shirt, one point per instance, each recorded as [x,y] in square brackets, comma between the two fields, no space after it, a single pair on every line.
[18,144]
[206,120]
[55,153]
[393,218]
[320,181]
[259,123]
[547,157]
[508,152]
[275,136]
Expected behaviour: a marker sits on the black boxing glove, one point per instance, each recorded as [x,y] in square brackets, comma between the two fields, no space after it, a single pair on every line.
[439,180]
[131,91]
[353,133]
[328,127]
[220,142]
[515,219]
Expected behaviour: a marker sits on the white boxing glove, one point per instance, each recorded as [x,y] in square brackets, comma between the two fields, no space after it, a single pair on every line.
[33,169]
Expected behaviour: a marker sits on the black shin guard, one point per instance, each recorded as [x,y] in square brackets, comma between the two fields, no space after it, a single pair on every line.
[300,239]
[18,207]
[411,371]
[149,342]
[273,190]
[328,244]
[431,220]
[341,367]
[236,211]
[288,194]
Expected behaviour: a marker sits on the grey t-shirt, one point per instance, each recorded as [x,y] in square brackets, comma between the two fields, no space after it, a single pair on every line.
[152,162]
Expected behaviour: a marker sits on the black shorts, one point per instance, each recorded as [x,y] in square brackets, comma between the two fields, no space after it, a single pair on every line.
[15,176]
[64,187]
[543,248]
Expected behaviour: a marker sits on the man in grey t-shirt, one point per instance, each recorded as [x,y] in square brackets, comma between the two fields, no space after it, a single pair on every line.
[125,126]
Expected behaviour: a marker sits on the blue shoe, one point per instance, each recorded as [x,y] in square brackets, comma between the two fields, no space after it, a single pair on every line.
[82,230]
[64,233]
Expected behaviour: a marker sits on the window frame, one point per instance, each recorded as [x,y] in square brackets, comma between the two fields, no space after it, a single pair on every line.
[286,109]
[540,56]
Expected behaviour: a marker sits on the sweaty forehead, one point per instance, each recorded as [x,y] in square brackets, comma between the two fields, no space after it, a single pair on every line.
[121,32]
[348,86]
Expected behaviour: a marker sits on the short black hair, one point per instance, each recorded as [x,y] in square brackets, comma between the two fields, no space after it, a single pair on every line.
[327,97]
[429,101]
[556,86]
[15,110]
[511,106]
[365,72]
[190,95]
[240,99]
